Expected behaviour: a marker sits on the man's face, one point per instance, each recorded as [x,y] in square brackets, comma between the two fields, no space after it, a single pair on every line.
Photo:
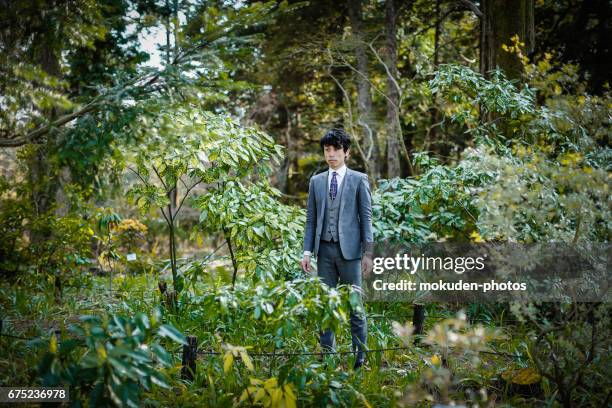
[334,157]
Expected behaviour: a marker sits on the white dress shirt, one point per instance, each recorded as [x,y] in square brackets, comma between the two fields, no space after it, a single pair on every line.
[340,173]
[339,176]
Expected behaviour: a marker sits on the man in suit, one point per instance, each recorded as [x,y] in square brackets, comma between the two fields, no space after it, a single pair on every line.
[338,231]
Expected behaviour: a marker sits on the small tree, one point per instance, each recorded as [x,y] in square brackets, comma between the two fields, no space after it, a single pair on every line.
[107,220]
[187,147]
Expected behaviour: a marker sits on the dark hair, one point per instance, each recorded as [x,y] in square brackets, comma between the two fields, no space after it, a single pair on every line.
[336,137]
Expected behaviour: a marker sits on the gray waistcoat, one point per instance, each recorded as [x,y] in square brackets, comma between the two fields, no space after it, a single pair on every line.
[330,220]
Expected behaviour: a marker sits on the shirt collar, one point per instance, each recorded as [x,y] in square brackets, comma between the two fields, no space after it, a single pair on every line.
[341,171]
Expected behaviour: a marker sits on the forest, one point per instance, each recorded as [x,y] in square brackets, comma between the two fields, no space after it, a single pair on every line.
[159,161]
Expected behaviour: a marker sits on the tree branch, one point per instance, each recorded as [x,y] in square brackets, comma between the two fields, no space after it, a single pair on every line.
[146,184]
[471,6]
[161,179]
[185,196]
[224,30]
[35,134]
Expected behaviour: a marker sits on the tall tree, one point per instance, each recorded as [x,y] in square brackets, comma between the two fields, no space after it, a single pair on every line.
[366,120]
[300,100]
[45,51]
[393,92]
[435,112]
[501,20]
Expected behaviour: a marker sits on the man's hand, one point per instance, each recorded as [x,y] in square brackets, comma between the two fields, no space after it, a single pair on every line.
[366,265]
[306,263]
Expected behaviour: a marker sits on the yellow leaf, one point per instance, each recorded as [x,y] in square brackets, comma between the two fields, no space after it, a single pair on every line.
[289,390]
[476,237]
[524,376]
[289,396]
[247,360]
[101,352]
[53,345]
[270,384]
[277,397]
[259,395]
[245,394]
[435,360]
[228,360]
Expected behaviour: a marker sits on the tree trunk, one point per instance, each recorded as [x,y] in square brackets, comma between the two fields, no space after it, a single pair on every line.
[501,20]
[364,97]
[40,173]
[393,95]
[435,112]
[292,149]
[283,173]
[172,28]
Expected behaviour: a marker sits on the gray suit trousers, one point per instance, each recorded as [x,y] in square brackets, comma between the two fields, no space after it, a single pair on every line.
[333,269]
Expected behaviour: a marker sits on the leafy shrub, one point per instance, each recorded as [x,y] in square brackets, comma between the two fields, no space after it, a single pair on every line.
[122,355]
[265,234]
[436,204]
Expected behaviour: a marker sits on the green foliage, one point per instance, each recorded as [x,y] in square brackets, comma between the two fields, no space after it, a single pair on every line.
[568,343]
[547,171]
[22,94]
[536,198]
[316,387]
[549,181]
[66,245]
[494,95]
[264,233]
[13,213]
[455,347]
[436,204]
[188,143]
[539,170]
[273,311]
[107,220]
[279,316]
[33,35]
[122,354]
[46,240]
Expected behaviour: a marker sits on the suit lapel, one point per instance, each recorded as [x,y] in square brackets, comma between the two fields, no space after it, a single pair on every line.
[345,186]
[323,192]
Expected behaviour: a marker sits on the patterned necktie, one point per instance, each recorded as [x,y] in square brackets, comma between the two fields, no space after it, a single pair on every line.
[333,186]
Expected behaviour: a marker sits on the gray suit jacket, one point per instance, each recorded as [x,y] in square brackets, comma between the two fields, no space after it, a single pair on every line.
[355,216]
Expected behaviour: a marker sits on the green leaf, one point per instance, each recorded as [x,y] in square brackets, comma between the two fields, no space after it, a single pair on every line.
[162,355]
[159,379]
[171,332]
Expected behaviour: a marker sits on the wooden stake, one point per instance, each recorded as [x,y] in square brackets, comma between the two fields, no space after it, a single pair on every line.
[190,352]
[163,286]
[418,321]
[172,300]
[58,290]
